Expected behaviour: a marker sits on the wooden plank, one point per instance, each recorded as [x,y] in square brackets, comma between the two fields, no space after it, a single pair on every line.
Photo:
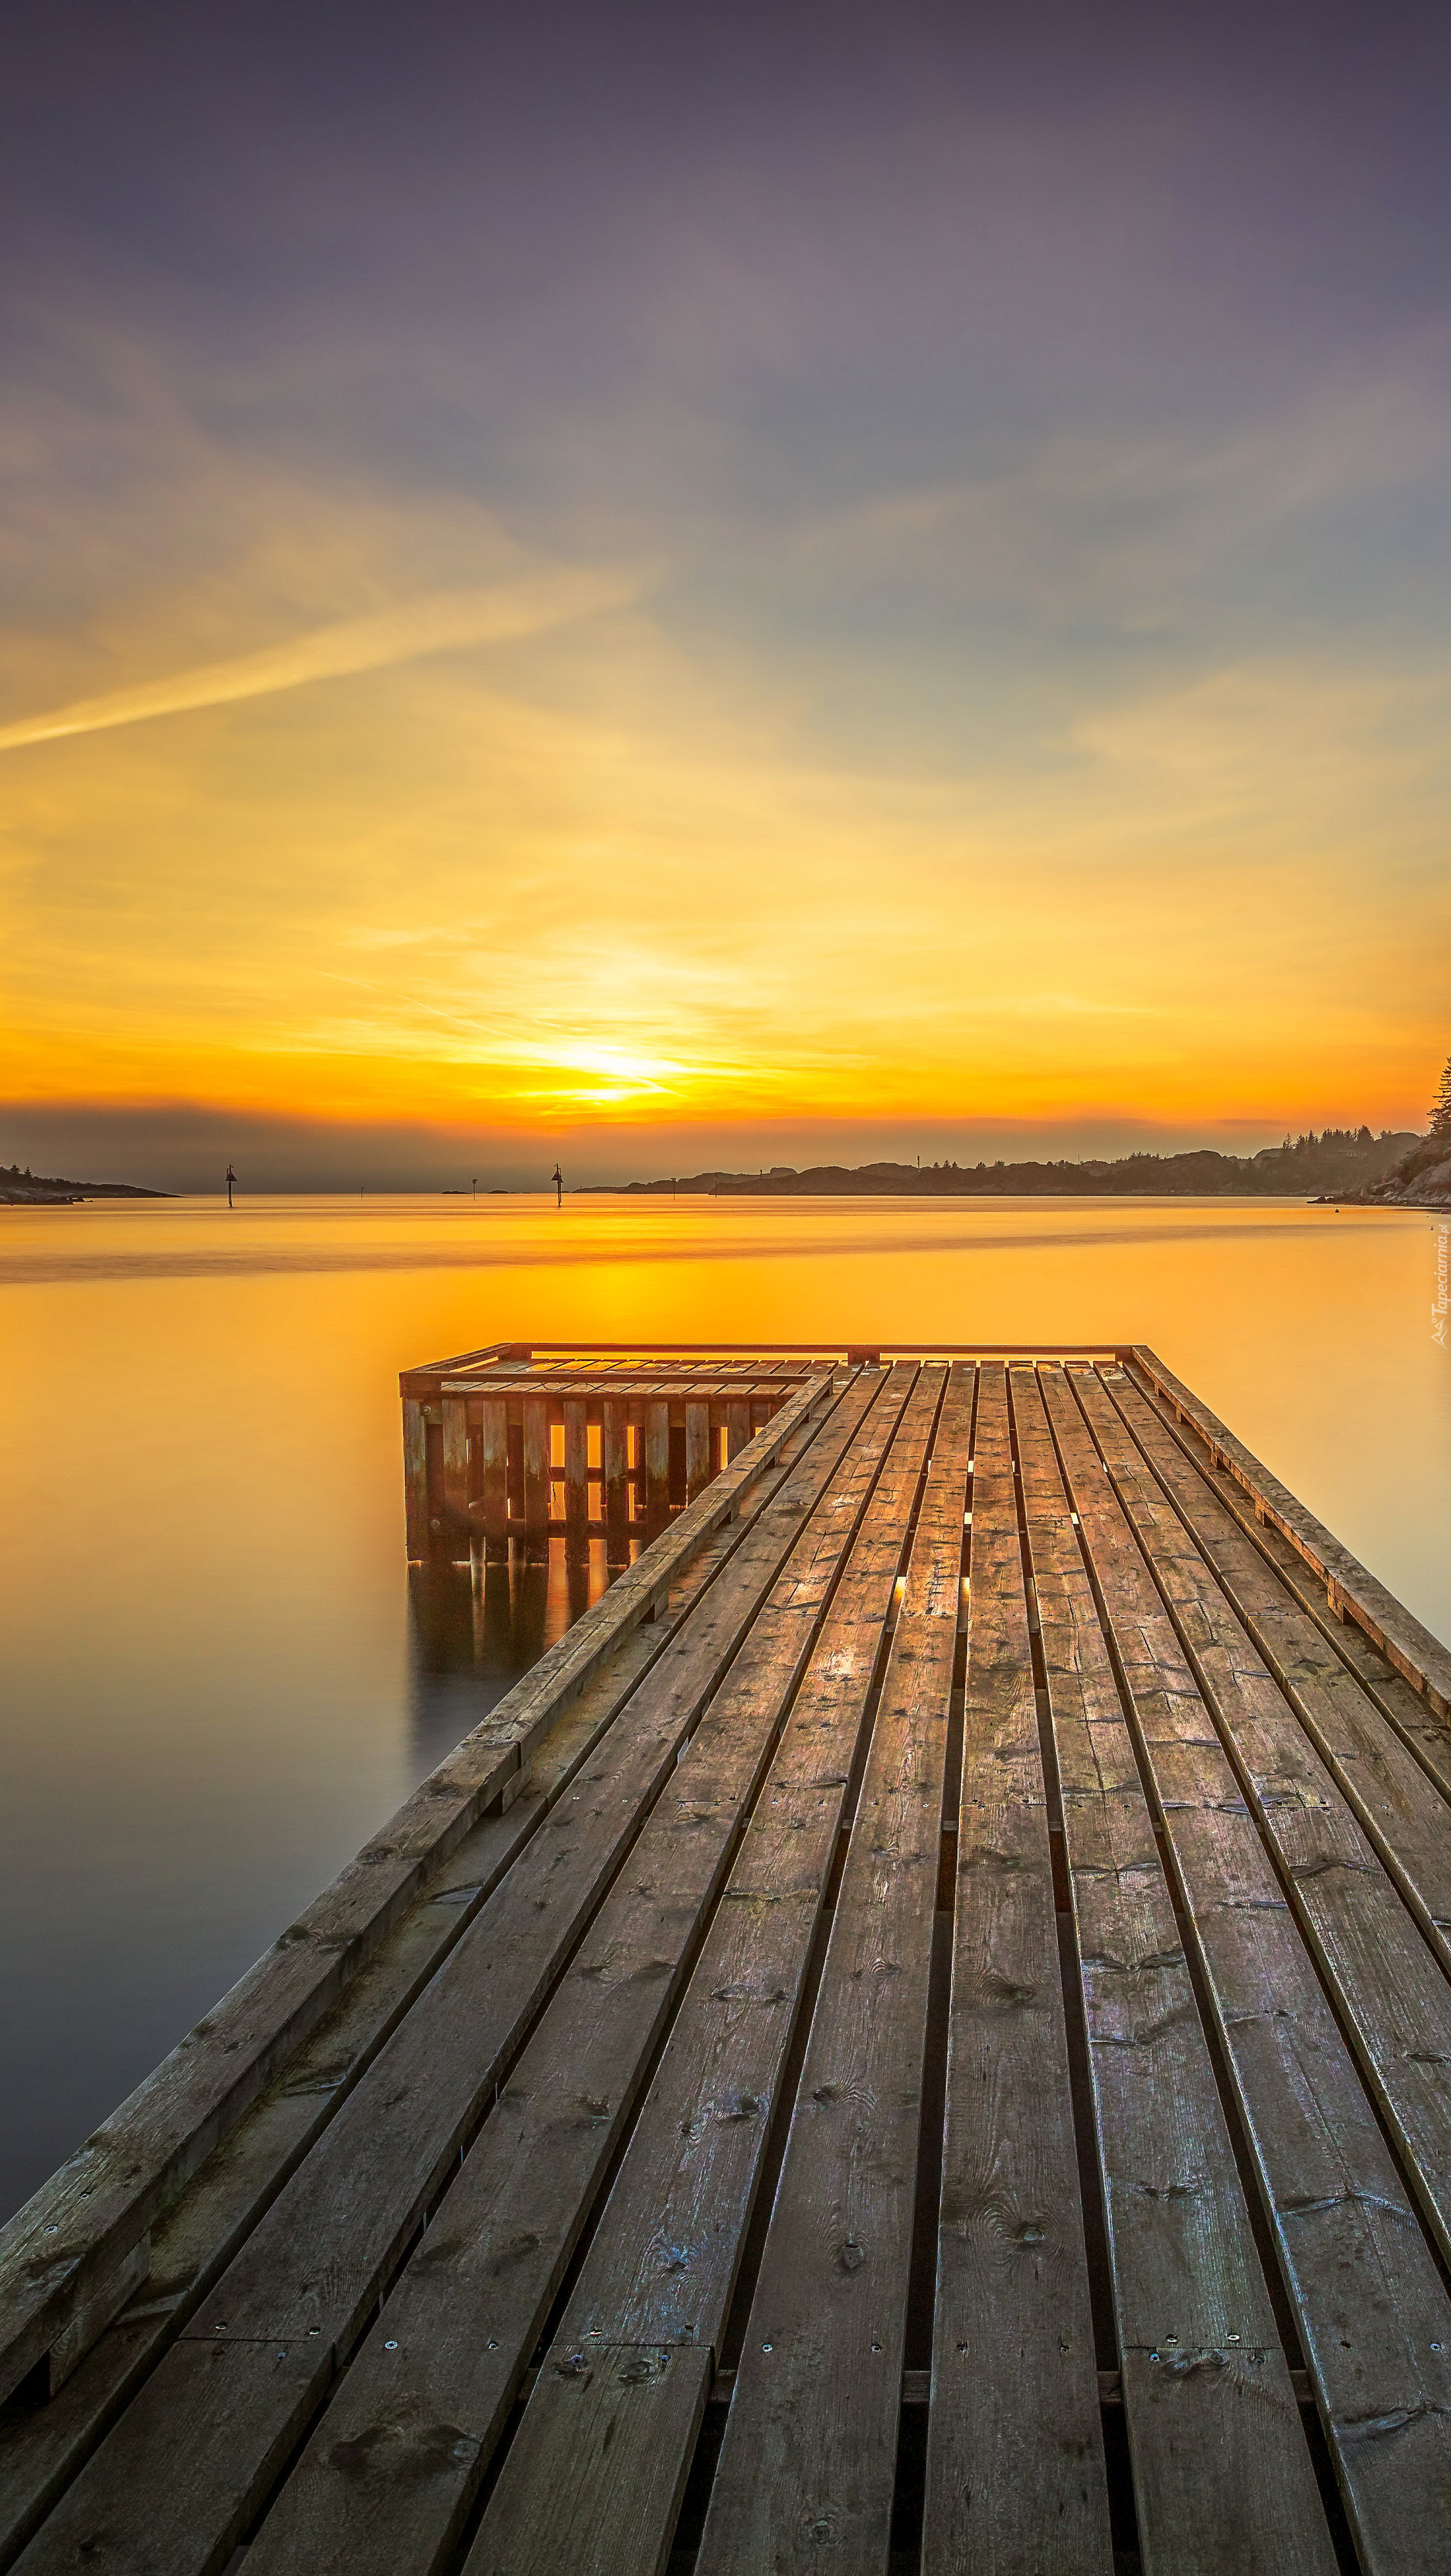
[305,2282]
[79,2225]
[1372,2311]
[415,1480]
[1394,2001]
[1223,2482]
[661,2266]
[614,1445]
[808,2464]
[738,1426]
[536,1478]
[611,2500]
[576,1468]
[464,2318]
[698,1462]
[638,1384]
[494,1478]
[455,1475]
[1015,2466]
[45,2446]
[1407,1710]
[1402,1812]
[1410,1647]
[657,1464]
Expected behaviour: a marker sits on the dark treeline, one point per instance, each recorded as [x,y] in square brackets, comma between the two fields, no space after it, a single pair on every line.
[1309,1166]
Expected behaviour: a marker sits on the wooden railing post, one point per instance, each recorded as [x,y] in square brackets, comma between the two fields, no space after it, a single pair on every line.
[697,1449]
[576,1474]
[455,1476]
[536,1480]
[494,1478]
[415,1479]
[615,1466]
[657,1465]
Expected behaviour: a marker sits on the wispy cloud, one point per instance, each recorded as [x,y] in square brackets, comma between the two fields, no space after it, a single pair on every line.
[439,623]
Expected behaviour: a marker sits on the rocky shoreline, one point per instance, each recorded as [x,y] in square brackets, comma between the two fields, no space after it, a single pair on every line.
[31,1189]
[1421,1179]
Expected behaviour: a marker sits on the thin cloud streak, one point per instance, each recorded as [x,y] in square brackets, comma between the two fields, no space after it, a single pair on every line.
[439,623]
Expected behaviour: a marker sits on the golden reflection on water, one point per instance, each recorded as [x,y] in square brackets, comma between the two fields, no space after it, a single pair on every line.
[213,1685]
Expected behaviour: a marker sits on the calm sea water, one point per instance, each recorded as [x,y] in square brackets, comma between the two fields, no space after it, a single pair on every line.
[215,1677]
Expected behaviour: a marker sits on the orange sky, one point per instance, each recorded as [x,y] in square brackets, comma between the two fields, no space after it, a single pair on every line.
[1056,738]
[577,879]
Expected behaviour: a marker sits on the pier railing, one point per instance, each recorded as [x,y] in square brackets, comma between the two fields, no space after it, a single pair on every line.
[522,1442]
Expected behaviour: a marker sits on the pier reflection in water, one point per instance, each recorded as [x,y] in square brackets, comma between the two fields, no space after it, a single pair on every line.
[474,1628]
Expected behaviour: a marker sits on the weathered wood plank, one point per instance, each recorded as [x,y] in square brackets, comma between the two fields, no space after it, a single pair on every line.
[537,1477]
[615,1463]
[1408,1711]
[1015,2468]
[80,2224]
[576,1467]
[371,2491]
[1372,2311]
[456,1474]
[657,1464]
[808,2463]
[1402,1812]
[415,1481]
[615,2503]
[308,2275]
[1223,2481]
[1409,1645]
[494,1478]
[661,2266]
[698,1460]
[1394,2000]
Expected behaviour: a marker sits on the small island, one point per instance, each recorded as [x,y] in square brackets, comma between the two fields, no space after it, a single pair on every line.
[30,1189]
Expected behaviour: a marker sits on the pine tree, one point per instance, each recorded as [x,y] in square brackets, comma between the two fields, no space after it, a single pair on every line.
[1441,1108]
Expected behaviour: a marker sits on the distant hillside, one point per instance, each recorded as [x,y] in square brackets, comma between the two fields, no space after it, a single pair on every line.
[27,1189]
[1339,1160]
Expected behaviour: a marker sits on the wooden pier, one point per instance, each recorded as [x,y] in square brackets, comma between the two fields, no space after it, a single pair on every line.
[917,2036]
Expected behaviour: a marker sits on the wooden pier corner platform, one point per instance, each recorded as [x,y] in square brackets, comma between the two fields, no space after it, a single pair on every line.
[917,2036]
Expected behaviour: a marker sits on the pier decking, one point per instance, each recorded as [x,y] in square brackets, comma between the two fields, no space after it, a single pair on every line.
[918,2035]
